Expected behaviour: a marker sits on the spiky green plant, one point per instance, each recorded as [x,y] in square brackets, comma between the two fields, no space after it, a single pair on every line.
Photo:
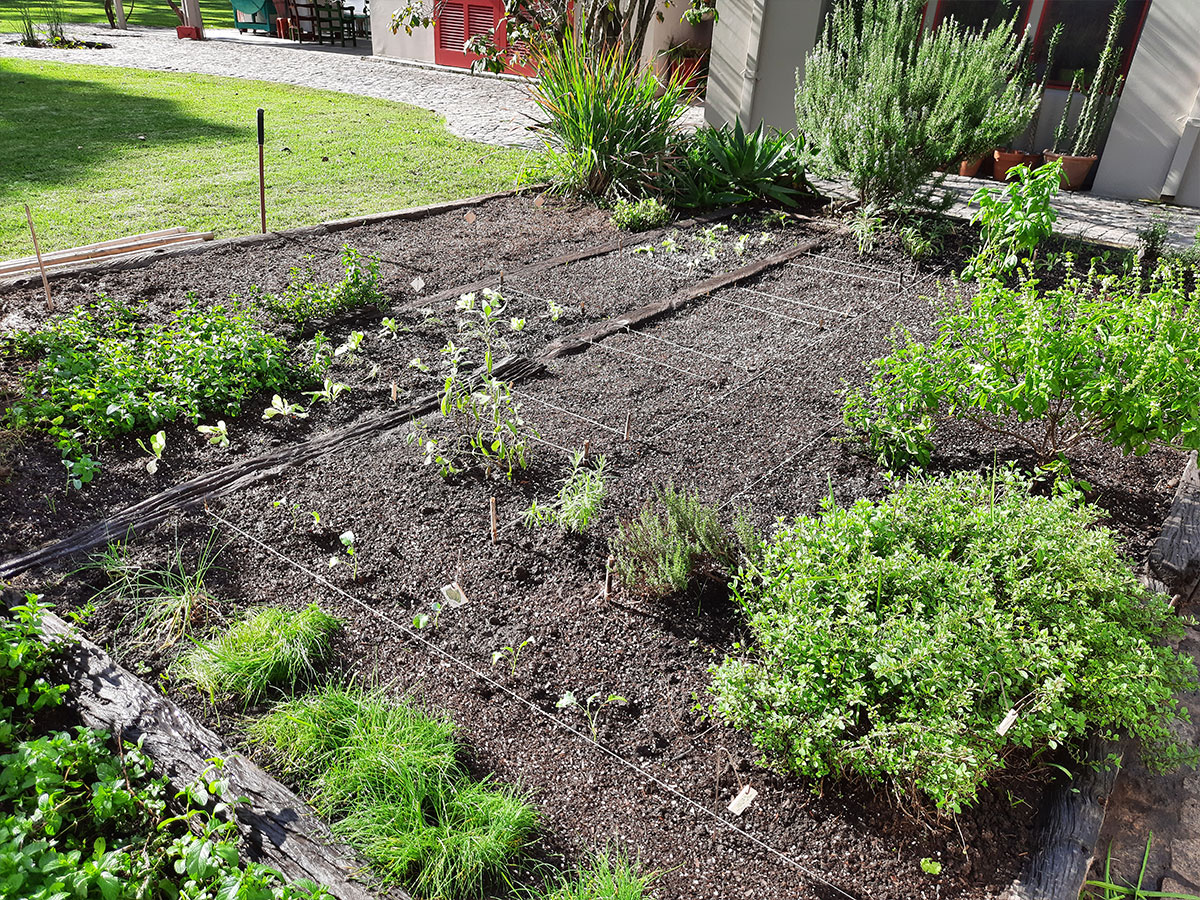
[610,877]
[269,648]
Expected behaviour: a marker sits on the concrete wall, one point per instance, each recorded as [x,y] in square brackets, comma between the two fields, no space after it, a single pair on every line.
[758,46]
[1160,92]
[418,46]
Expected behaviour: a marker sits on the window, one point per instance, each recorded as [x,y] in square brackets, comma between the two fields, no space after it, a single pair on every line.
[1085,28]
[973,13]
[459,21]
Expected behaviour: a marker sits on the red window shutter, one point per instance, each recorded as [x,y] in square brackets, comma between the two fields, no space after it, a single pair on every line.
[452,27]
[481,18]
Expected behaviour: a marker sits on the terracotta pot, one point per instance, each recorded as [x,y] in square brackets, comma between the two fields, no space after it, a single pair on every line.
[969,168]
[1007,159]
[187,32]
[1075,168]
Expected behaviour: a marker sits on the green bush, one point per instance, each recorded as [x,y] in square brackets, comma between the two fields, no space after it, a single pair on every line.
[640,215]
[270,648]
[893,639]
[723,166]
[1013,223]
[605,124]
[1093,357]
[102,371]
[886,106]
[390,779]
[307,298]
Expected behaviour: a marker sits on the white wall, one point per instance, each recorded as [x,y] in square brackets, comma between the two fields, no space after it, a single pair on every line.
[418,46]
[1159,94]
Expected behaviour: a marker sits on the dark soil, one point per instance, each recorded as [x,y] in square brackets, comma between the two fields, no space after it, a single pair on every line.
[736,396]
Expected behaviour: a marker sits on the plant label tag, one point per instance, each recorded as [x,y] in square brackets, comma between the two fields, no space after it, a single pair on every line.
[742,801]
[540,201]
[417,284]
[470,217]
[1009,720]
[453,595]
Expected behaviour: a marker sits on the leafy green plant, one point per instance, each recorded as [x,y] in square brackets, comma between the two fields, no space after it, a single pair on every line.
[579,499]
[606,124]
[307,298]
[1015,222]
[216,435]
[283,409]
[722,166]
[640,215]
[592,707]
[864,223]
[897,639]
[328,393]
[390,779]
[1095,356]
[269,648]
[102,371]
[512,654]
[158,443]
[886,105]
[659,552]
[1100,101]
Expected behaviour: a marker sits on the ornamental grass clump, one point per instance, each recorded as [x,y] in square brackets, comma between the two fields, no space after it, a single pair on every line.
[390,779]
[885,105]
[925,639]
[270,648]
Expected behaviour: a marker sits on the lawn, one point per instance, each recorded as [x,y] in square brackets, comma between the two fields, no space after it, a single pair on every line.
[217,13]
[103,152]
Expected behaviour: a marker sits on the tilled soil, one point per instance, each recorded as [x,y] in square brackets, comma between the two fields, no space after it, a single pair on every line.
[736,396]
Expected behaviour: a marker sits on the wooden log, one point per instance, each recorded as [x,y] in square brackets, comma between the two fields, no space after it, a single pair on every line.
[27,260]
[1175,558]
[429,209]
[147,513]
[115,250]
[580,341]
[276,824]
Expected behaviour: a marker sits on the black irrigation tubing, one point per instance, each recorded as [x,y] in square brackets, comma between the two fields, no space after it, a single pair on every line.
[811,874]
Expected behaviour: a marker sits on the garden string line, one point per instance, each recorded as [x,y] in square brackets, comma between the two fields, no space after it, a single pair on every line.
[533,707]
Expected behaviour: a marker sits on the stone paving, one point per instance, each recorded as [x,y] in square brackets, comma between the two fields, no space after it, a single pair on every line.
[494,110]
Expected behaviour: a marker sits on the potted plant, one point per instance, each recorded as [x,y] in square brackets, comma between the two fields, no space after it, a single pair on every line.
[1079,147]
[686,62]
[1006,158]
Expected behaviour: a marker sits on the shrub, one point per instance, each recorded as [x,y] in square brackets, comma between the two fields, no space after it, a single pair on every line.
[579,499]
[659,552]
[1016,221]
[886,106]
[1093,357]
[605,126]
[269,648]
[893,639]
[640,215]
[102,371]
[390,779]
[722,166]
[307,298]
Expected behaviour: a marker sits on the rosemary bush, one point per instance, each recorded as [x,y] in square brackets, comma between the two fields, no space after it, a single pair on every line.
[895,638]
[886,106]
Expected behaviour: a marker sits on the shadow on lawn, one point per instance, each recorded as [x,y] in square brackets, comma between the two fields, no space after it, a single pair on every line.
[54,129]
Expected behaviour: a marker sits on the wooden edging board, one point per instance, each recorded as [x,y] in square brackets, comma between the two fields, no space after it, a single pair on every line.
[275,823]
[1073,814]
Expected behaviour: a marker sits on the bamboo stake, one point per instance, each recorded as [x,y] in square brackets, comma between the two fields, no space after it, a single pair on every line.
[262,183]
[608,564]
[38,250]
[495,530]
[587,451]
[628,417]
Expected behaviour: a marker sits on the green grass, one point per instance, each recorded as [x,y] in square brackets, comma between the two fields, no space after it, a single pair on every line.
[102,152]
[145,13]
[270,648]
[390,779]
[609,878]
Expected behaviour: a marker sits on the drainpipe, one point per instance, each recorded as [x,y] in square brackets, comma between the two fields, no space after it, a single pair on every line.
[750,72]
[1183,152]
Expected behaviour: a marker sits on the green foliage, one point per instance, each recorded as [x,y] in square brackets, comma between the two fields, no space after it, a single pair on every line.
[1108,889]
[895,639]
[102,370]
[864,223]
[640,215]
[307,298]
[608,878]
[605,125]
[886,105]
[389,778]
[1100,356]
[78,820]
[1016,221]
[579,499]
[659,552]
[269,648]
[723,166]
[1100,101]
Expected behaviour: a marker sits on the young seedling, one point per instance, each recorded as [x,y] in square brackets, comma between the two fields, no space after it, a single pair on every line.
[452,598]
[579,499]
[217,435]
[513,654]
[592,707]
[280,407]
[644,249]
[554,310]
[390,328]
[347,539]
[415,363]
[80,471]
[739,246]
[516,324]
[158,443]
[329,392]
[351,344]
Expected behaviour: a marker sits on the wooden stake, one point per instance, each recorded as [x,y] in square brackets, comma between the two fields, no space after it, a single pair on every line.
[608,576]
[628,417]
[38,250]
[495,530]
[262,182]
[587,450]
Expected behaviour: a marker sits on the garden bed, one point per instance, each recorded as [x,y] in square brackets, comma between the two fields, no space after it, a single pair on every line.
[735,395]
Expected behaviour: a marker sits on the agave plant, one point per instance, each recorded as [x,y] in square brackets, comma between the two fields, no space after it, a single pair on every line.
[760,164]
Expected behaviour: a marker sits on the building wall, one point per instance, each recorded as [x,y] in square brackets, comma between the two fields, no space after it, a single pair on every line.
[417,46]
[1161,91]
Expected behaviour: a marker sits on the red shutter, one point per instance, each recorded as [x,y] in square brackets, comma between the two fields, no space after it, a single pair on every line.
[461,20]
[481,18]
[451,28]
